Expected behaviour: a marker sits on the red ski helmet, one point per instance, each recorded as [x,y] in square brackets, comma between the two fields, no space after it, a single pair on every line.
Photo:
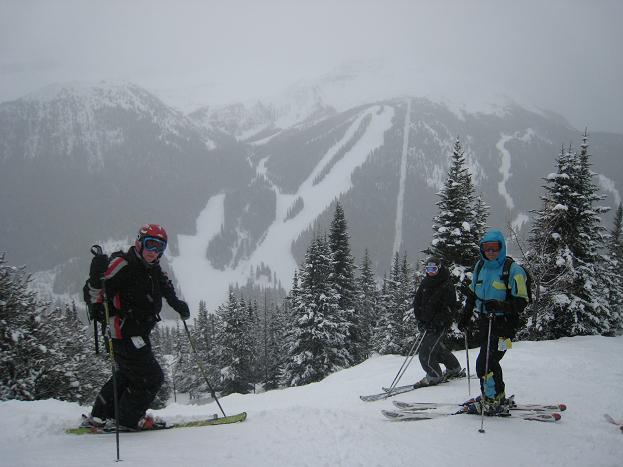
[153,237]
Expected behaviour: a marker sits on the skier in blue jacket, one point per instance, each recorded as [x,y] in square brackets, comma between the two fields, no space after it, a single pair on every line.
[496,306]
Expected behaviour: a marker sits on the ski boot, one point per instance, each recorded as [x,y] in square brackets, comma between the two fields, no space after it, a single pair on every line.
[89,421]
[428,380]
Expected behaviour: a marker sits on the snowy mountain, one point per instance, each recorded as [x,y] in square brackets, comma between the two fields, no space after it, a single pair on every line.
[246,186]
[385,162]
[81,164]
[325,423]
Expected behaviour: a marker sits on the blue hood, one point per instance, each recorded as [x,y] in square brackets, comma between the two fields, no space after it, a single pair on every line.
[493,235]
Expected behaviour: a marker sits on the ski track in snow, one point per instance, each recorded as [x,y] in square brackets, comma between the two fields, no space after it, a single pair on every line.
[403,177]
[200,281]
[325,423]
[505,168]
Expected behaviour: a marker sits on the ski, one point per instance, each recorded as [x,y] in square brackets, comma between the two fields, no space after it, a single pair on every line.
[618,423]
[419,406]
[550,417]
[194,423]
[390,392]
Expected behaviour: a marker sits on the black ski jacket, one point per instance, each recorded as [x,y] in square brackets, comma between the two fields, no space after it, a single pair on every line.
[134,291]
[435,300]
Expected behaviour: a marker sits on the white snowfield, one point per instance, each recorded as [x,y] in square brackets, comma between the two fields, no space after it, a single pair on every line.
[326,424]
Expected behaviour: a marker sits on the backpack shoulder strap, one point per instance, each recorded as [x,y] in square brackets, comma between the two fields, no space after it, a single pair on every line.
[477,269]
[506,269]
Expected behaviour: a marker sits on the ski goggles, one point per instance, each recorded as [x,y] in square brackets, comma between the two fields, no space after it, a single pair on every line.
[154,244]
[490,247]
[431,269]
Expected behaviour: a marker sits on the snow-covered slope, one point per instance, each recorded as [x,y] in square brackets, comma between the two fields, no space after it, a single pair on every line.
[326,424]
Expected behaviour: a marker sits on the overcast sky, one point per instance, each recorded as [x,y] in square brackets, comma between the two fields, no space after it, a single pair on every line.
[565,56]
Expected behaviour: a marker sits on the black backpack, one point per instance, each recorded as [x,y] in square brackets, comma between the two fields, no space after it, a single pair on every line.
[506,275]
[96,312]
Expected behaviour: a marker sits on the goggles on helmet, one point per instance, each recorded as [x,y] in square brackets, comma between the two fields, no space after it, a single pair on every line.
[490,247]
[154,244]
[431,268]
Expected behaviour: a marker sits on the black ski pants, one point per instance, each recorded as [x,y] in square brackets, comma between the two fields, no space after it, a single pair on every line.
[433,352]
[491,384]
[139,377]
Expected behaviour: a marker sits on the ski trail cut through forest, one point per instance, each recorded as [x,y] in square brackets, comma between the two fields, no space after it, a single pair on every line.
[403,176]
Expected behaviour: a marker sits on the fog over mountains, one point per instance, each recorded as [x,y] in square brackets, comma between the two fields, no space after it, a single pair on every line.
[246,185]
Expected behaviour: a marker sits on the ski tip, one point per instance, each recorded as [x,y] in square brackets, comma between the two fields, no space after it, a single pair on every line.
[556,416]
[562,407]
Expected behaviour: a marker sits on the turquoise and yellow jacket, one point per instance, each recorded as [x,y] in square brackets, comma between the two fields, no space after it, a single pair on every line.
[489,284]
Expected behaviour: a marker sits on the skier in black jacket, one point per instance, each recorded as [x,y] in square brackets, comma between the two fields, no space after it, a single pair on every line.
[434,301]
[134,285]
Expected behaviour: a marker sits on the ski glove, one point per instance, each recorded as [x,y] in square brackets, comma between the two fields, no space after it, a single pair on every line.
[182,308]
[465,322]
[495,305]
[99,264]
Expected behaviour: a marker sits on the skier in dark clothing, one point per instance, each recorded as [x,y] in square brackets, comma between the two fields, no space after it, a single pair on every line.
[434,301]
[134,285]
[499,303]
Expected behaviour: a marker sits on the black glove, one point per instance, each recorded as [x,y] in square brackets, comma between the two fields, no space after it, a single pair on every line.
[495,305]
[99,264]
[465,322]
[97,311]
[509,324]
[182,308]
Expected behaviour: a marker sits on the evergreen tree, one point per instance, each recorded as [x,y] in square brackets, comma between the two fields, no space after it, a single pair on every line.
[316,346]
[366,304]
[164,393]
[389,332]
[456,229]
[275,326]
[184,376]
[344,281]
[44,353]
[614,264]
[563,254]
[404,300]
[236,350]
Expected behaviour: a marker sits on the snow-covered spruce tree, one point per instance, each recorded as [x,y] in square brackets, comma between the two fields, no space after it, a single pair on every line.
[254,341]
[479,221]
[458,228]
[564,254]
[366,302]
[614,265]
[164,393]
[274,328]
[184,374]
[44,353]
[389,332]
[204,335]
[404,299]
[317,340]
[344,281]
[236,349]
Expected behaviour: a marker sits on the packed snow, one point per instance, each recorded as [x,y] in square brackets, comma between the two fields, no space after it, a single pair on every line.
[326,424]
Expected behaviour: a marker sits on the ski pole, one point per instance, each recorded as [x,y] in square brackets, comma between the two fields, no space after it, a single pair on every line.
[96,338]
[482,387]
[201,367]
[397,377]
[97,250]
[469,384]
[407,361]
[111,351]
